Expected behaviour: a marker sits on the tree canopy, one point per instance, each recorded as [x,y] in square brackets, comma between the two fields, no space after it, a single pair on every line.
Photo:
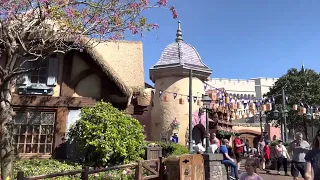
[33,30]
[302,87]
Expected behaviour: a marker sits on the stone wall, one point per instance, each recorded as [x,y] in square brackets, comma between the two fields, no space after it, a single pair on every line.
[214,169]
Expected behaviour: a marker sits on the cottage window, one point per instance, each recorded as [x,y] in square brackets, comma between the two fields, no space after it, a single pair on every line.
[40,81]
[39,76]
[33,132]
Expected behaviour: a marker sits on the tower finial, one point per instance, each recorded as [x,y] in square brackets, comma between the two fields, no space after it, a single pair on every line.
[302,68]
[179,33]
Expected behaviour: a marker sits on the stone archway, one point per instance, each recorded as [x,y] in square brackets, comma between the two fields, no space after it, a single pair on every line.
[198,133]
[252,135]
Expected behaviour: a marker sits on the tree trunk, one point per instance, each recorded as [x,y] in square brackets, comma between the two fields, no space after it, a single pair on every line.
[6,136]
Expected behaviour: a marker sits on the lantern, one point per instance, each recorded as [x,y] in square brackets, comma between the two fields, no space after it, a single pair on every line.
[243,116]
[238,105]
[248,115]
[252,106]
[213,95]
[237,116]
[233,115]
[263,107]
[295,107]
[181,101]
[165,98]
[227,100]
[198,102]
[215,106]
[268,106]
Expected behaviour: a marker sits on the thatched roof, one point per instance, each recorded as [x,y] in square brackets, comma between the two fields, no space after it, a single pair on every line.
[122,62]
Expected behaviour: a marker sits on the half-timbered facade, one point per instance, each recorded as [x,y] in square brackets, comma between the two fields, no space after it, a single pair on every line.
[47,101]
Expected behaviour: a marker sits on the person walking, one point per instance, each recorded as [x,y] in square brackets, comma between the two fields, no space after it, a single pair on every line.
[267,156]
[247,145]
[227,160]
[282,155]
[261,153]
[298,148]
[313,160]
[251,171]
[238,150]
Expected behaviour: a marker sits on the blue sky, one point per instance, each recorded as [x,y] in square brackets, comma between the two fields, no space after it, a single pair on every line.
[241,39]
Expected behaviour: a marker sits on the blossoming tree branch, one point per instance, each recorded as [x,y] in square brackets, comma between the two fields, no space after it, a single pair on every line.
[33,30]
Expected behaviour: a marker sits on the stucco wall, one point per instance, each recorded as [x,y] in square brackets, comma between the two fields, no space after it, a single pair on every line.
[89,86]
[274,131]
[56,89]
[163,113]
[235,86]
[145,120]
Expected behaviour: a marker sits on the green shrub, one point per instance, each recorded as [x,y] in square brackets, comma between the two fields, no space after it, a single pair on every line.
[36,167]
[171,149]
[109,136]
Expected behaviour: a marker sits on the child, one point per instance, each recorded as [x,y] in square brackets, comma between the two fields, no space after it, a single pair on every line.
[266,156]
[250,173]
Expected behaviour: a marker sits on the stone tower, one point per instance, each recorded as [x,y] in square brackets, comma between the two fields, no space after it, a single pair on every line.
[171,77]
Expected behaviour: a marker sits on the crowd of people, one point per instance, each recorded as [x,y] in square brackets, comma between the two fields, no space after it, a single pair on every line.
[303,158]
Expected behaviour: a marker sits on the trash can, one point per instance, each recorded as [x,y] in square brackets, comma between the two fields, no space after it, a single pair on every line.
[179,167]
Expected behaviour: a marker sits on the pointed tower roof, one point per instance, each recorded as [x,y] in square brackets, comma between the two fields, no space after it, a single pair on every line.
[176,60]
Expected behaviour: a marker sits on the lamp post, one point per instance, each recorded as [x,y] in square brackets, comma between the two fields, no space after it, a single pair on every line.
[284,114]
[261,114]
[206,103]
[310,112]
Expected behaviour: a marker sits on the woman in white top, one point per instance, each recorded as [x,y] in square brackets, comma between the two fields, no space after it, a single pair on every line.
[282,155]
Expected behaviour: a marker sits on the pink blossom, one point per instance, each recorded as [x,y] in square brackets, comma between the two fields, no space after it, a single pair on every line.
[163,2]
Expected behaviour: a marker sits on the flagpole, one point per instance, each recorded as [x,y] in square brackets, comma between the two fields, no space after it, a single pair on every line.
[190,111]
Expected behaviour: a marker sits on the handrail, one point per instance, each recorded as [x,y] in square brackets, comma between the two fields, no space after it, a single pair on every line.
[86,171]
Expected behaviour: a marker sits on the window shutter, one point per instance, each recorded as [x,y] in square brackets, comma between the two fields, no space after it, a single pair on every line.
[52,71]
[23,79]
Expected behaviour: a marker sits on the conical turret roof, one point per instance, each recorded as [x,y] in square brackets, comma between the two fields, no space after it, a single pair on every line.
[177,59]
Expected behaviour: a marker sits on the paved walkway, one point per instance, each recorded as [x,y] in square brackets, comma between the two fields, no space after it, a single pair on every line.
[273,175]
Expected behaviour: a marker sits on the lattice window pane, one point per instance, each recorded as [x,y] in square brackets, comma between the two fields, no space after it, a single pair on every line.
[33,132]
[47,118]
[20,118]
[34,118]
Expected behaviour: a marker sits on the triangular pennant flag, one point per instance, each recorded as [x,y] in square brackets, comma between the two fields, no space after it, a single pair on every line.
[160,92]
[174,95]
[188,98]
[194,99]
[205,86]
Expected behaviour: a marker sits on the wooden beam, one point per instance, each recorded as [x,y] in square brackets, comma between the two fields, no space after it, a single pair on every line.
[49,101]
[66,89]
[60,126]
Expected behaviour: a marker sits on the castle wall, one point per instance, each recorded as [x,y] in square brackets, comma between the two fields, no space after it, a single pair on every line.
[164,112]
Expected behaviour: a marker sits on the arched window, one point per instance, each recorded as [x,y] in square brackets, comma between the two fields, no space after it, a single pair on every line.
[245,96]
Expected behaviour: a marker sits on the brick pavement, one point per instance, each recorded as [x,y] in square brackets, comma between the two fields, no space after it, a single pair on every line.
[272,176]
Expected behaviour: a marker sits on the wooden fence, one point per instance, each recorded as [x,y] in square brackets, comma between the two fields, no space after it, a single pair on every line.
[154,166]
